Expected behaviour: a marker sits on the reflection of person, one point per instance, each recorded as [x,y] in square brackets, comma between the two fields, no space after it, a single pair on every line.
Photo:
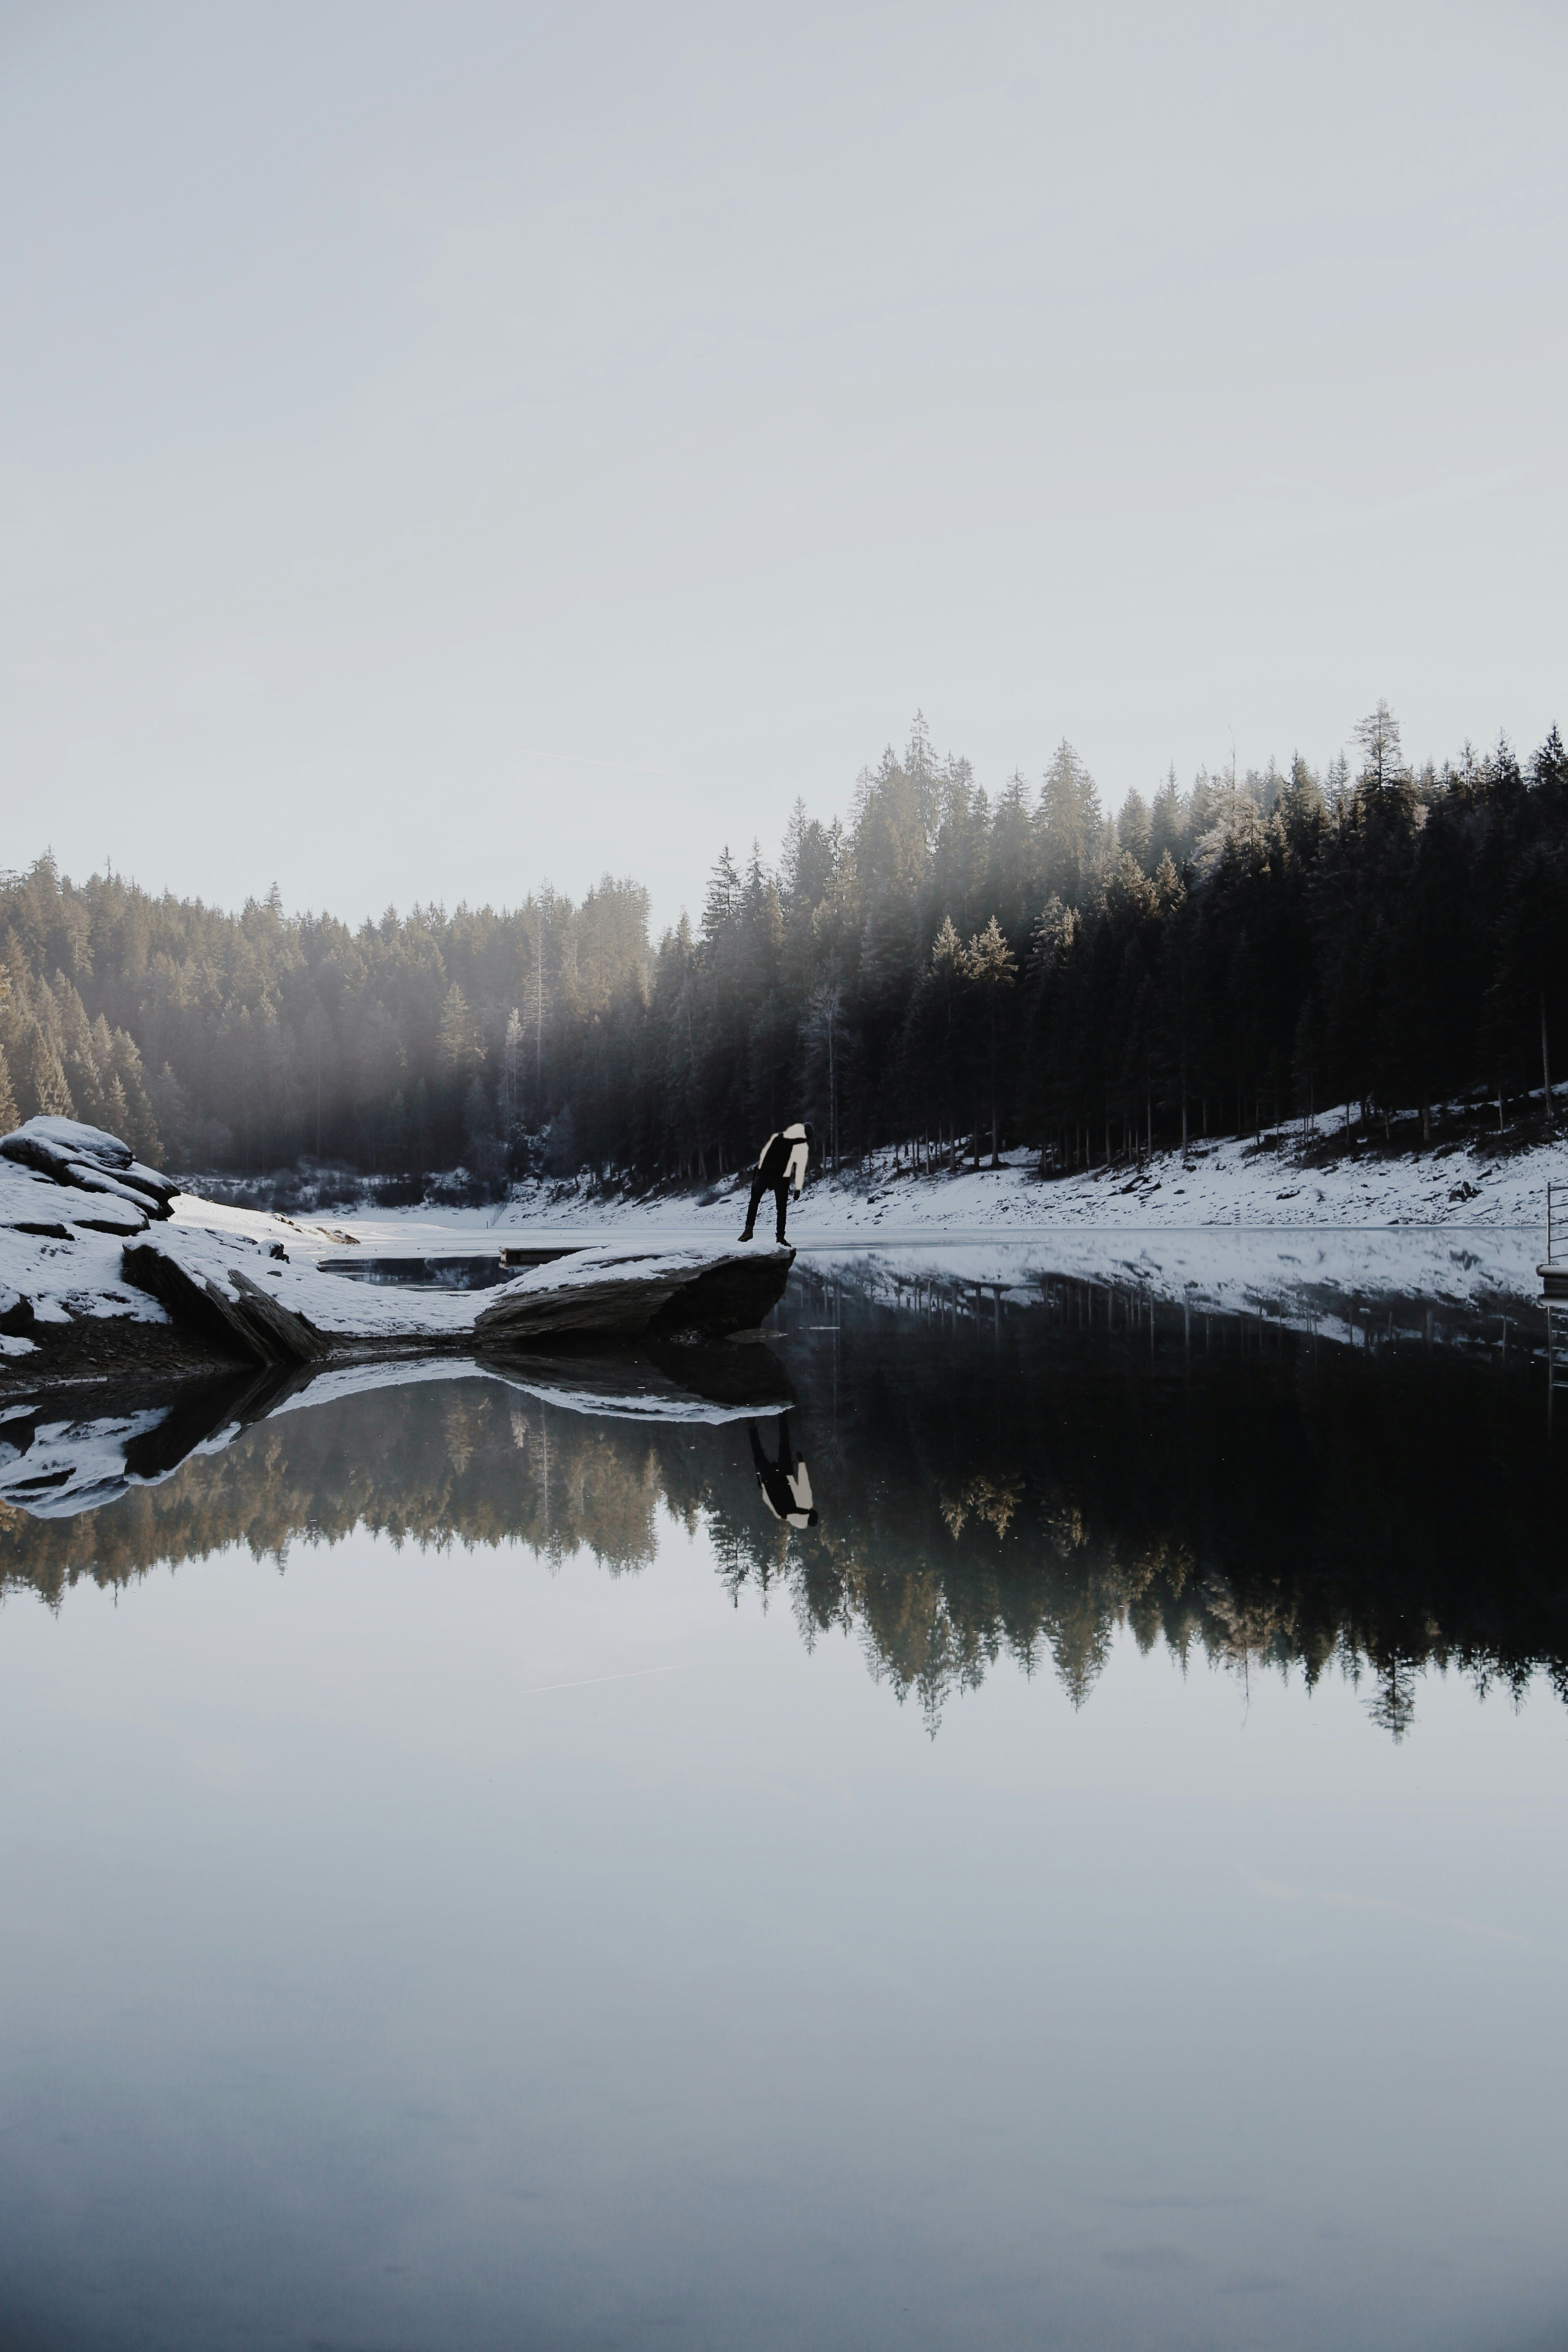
[786,1484]
[782,1159]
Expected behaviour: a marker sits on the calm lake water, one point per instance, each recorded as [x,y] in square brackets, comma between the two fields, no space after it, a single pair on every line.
[473,1876]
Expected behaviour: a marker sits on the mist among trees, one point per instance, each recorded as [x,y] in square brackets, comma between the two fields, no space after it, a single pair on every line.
[948,971]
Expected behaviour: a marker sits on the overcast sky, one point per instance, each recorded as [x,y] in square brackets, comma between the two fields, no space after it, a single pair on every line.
[447,447]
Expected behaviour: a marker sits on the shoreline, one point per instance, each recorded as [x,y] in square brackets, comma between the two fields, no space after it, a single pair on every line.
[1234,1227]
[1283,1185]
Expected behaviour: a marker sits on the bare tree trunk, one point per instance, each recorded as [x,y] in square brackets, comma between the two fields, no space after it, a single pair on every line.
[832,1091]
[1545,1062]
[995,1154]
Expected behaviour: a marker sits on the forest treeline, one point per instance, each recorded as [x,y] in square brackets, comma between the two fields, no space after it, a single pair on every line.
[947,970]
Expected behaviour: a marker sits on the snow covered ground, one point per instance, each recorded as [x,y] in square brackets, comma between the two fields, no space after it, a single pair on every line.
[1230,1182]
[61,1249]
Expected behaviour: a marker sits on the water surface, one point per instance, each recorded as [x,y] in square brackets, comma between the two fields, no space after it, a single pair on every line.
[475,1876]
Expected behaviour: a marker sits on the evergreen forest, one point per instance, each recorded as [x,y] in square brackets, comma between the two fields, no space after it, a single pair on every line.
[945,972]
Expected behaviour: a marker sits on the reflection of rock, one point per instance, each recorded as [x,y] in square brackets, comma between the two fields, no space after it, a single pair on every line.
[52,1467]
[720,1382]
[57,1463]
[200,1412]
[738,1374]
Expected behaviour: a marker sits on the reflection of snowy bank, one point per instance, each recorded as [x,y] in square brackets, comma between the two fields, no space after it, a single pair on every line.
[1332,1282]
[55,1463]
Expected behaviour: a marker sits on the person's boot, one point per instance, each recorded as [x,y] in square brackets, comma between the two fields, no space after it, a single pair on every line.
[746,1235]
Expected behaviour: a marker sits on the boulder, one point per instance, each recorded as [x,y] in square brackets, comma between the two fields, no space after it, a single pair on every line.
[16,1317]
[90,1160]
[249,1324]
[626,1294]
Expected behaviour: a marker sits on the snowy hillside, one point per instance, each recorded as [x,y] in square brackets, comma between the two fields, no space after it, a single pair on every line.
[1234,1182]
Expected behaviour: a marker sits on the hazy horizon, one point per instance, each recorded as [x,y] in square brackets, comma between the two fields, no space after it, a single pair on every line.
[446,452]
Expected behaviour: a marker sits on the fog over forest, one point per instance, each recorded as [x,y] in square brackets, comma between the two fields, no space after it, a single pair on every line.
[957,972]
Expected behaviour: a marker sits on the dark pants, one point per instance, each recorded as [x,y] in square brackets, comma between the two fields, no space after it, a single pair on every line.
[780,1190]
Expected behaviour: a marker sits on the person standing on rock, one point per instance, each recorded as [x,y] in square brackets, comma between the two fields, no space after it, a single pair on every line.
[780,1160]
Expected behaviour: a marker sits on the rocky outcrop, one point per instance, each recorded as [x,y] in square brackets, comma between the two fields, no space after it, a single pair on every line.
[89,1160]
[85,1274]
[650,1296]
[244,1322]
[18,1316]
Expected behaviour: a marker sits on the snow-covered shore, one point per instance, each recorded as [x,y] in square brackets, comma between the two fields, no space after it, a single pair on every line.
[1234,1182]
[1232,1227]
[79,1254]
[1233,1224]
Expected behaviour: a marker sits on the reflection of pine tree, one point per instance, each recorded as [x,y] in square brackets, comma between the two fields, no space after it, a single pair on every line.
[1393,1704]
[457,1422]
[980,1498]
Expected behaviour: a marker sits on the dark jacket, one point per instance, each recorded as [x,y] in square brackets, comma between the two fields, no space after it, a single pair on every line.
[783,1154]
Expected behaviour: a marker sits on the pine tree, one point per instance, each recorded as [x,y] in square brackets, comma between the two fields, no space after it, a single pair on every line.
[462,1050]
[41,1088]
[991,967]
[1070,826]
[1382,760]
